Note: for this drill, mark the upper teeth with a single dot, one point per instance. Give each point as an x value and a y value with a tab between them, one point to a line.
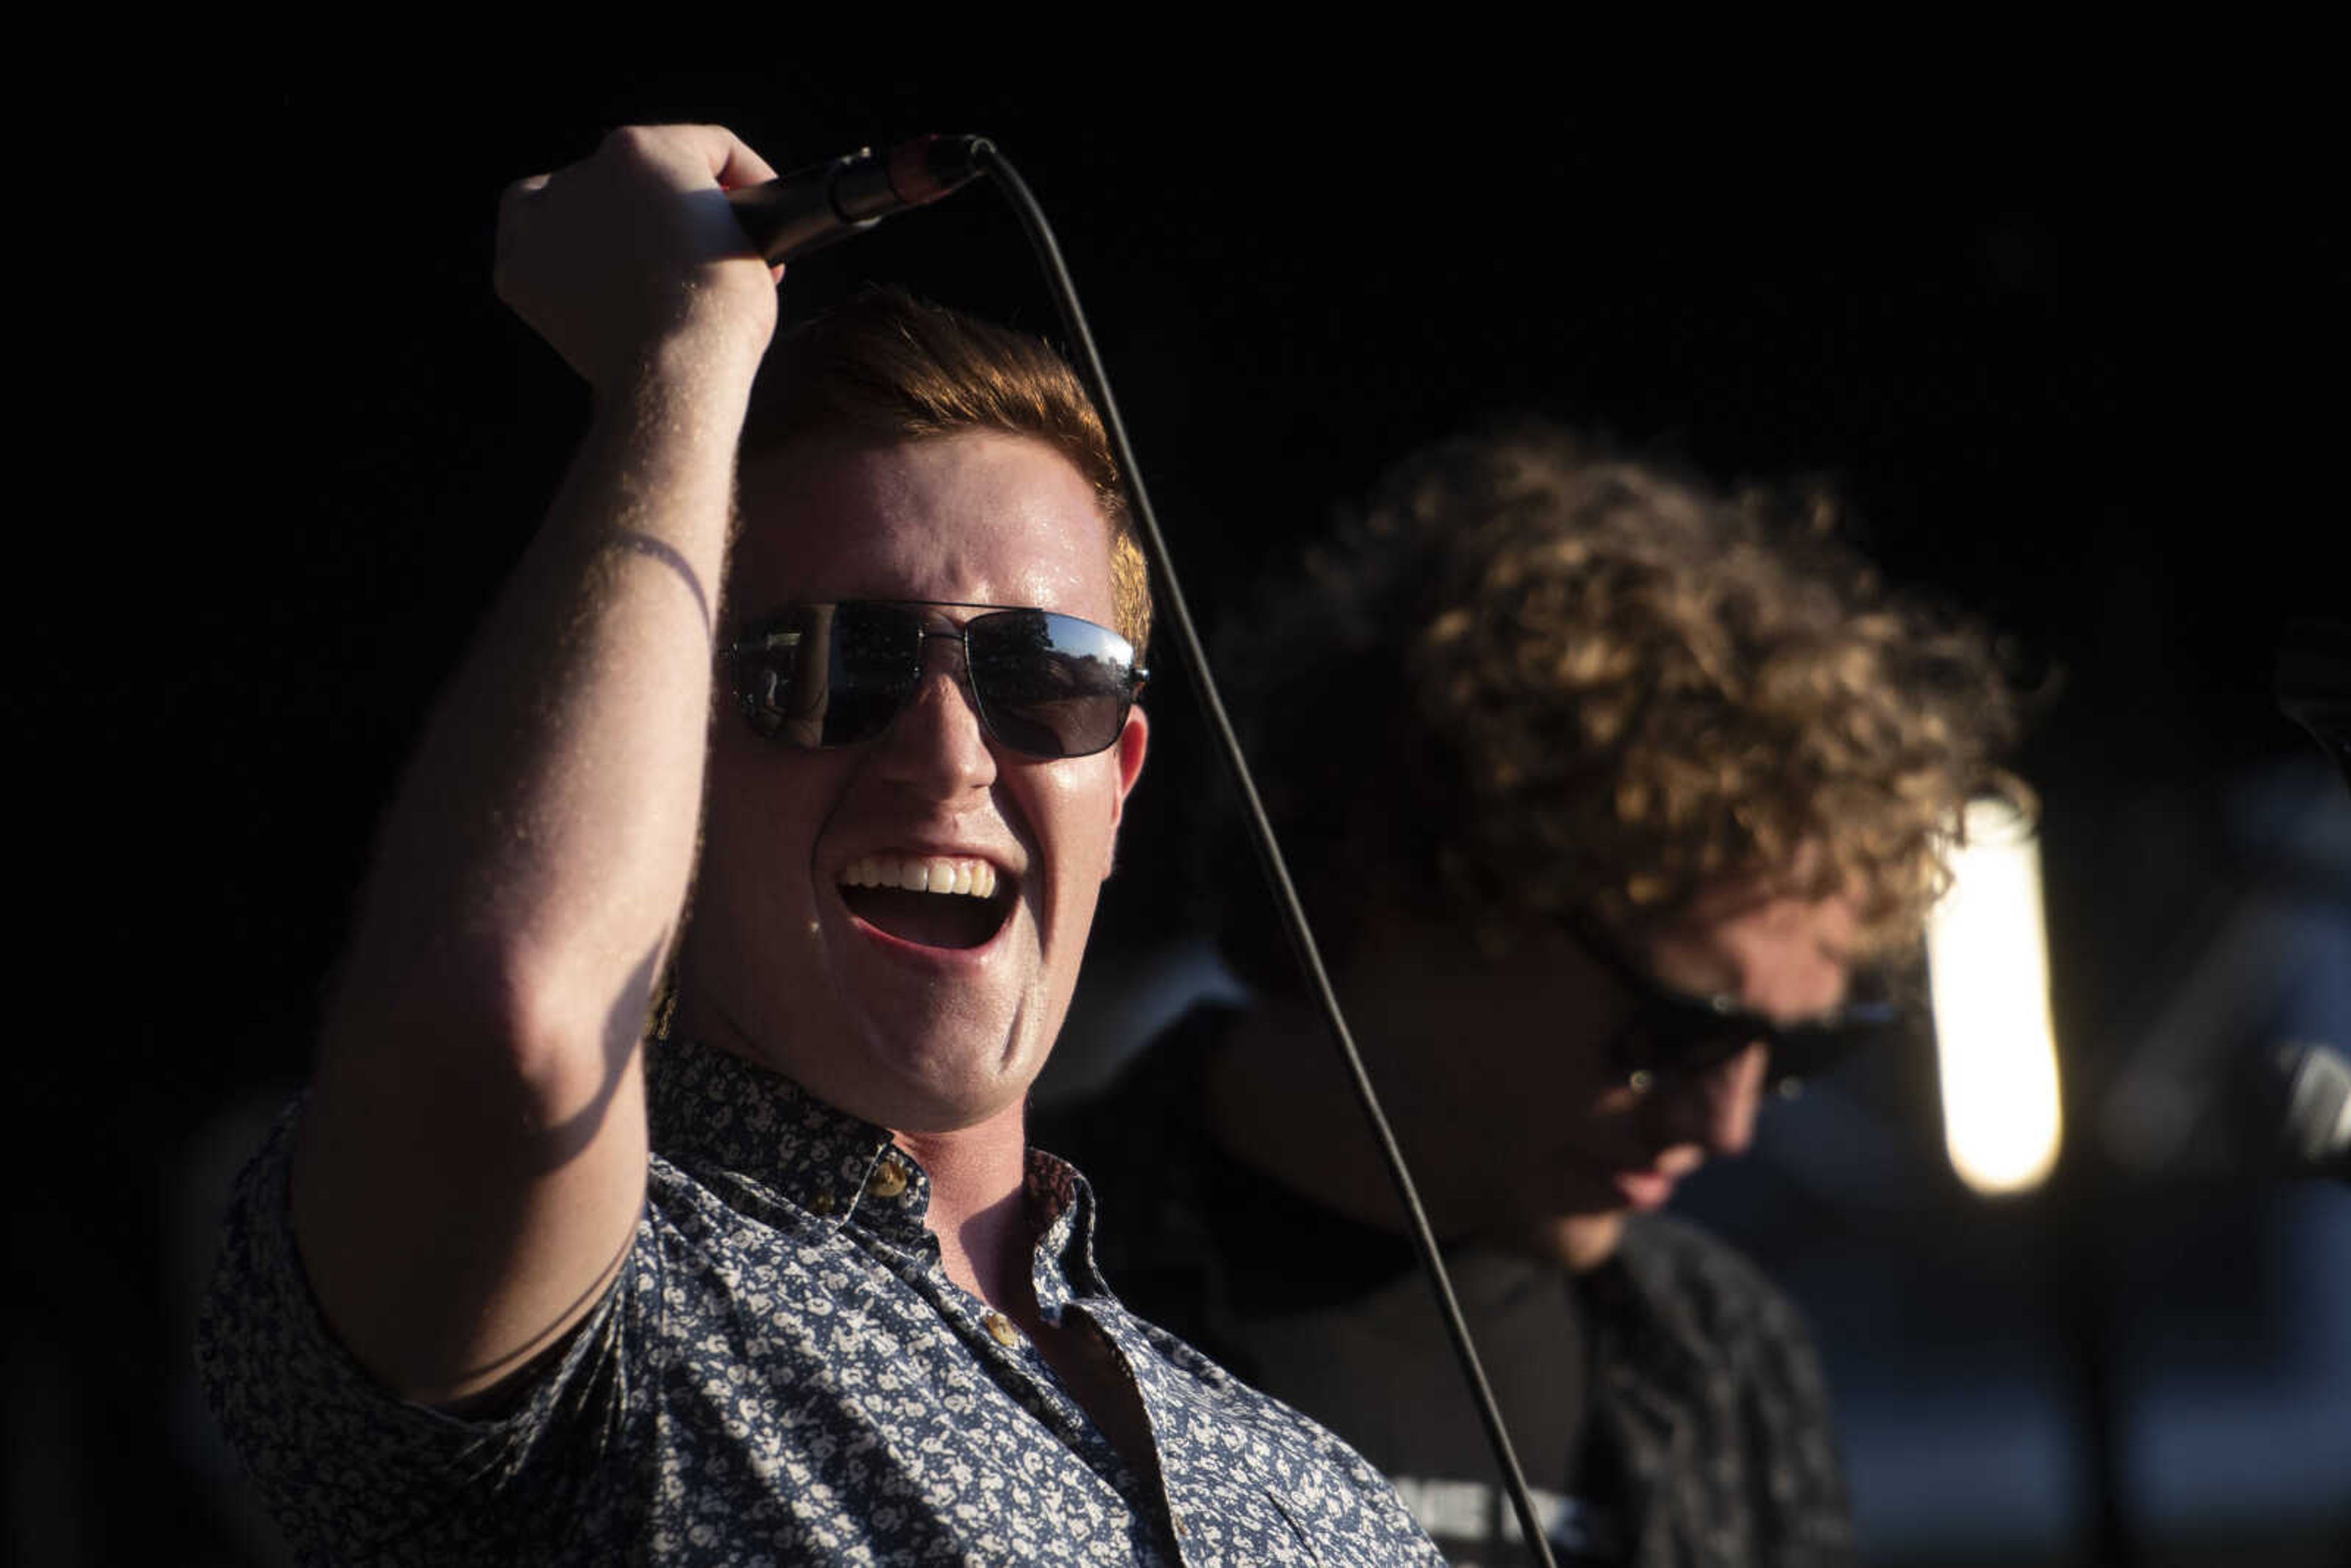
975	879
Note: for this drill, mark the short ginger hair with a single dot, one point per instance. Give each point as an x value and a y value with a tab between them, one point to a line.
1533	679
885	366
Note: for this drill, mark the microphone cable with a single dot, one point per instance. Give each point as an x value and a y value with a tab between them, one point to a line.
800	211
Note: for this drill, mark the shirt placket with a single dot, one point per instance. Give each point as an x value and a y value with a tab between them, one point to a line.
889	1209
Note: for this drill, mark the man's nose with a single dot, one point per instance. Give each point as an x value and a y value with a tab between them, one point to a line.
1714	1109
937	744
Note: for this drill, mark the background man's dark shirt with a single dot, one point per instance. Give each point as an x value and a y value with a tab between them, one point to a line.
1668	1407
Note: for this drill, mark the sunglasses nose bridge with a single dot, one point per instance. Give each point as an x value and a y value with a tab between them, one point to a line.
953	636
954	665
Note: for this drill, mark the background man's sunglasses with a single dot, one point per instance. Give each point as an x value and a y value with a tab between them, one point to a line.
1046	686
1674	1032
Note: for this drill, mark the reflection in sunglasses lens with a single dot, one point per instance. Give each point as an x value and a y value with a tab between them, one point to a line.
1047	685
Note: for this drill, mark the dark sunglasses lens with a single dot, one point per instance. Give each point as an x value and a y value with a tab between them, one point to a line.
1807	1051
1050	685
1682	1035
873	652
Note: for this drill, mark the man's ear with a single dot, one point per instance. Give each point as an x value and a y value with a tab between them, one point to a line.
1133	742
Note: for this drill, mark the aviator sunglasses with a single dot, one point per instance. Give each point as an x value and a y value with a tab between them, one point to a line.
1045	684
1673	1032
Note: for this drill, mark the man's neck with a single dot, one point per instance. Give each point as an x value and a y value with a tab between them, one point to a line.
979	1207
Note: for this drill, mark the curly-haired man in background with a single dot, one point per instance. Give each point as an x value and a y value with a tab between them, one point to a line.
1612	797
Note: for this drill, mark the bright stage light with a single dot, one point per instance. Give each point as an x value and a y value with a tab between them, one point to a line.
1995	1044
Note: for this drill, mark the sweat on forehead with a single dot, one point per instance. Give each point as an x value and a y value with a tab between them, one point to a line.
975	517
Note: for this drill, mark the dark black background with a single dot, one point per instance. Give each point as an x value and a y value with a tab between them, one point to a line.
2066	334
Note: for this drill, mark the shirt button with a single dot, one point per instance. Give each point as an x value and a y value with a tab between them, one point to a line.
1000	1326
889	1177
821	1204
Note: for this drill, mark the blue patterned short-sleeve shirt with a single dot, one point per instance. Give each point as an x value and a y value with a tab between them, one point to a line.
781	1374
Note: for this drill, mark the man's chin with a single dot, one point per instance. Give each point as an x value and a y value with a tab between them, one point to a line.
1582	1241
932	1074
1643	1191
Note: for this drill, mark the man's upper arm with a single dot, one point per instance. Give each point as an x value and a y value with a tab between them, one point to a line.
350	1472
453	1232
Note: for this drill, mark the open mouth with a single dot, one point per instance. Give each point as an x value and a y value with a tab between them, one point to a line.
930	900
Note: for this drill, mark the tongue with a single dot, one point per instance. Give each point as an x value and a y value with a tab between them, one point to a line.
930	919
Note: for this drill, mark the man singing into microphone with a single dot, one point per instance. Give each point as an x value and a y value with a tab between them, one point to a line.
1609	797
782	1283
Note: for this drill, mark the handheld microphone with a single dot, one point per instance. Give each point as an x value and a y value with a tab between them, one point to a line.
810	208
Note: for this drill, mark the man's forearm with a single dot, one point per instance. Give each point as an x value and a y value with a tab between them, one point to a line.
475	1102
543	836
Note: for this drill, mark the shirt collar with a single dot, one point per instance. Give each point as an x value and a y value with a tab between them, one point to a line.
731	1120
724	1115
1061	1216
